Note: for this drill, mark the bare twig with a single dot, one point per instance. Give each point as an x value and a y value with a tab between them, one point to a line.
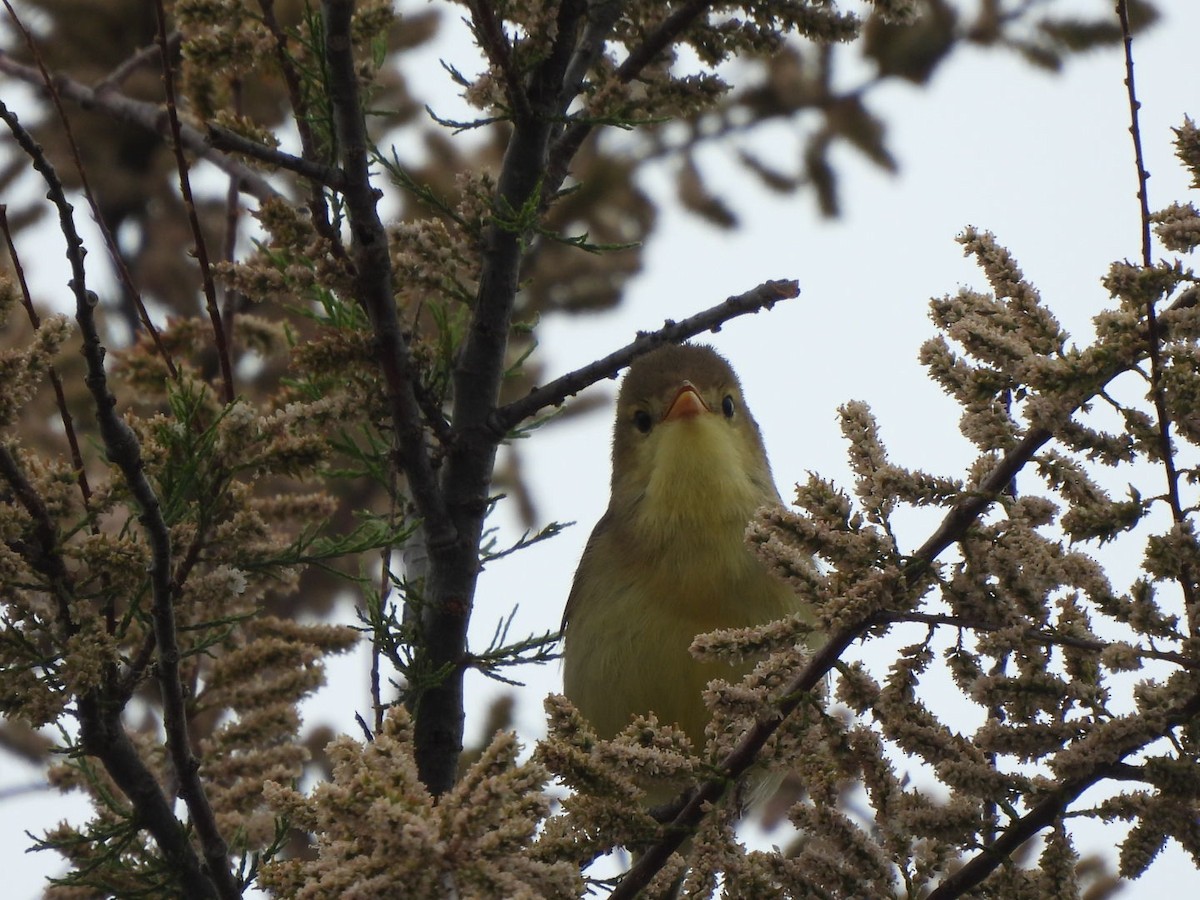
232	142
189	204
53	89
146	115
765	296
147	55
60	397
1187	579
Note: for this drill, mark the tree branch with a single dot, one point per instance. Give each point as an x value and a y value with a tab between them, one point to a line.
567	144
765	296
308	142
150	116
489	32
48	84
373	272
1048	809
470	460
145	56
175	142
123	449
223	139
60	397
1048	638
1187	579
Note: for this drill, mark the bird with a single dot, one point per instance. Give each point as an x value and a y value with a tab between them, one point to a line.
667	560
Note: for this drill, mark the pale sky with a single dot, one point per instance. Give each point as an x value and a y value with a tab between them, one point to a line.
1043	161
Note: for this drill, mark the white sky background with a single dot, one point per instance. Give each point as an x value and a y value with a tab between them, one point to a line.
1044	161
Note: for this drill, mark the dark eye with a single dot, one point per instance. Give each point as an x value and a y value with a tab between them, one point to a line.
727	406
642	421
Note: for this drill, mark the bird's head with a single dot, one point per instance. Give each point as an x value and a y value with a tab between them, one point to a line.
685	446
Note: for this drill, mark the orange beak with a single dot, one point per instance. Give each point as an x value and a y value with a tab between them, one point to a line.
687	403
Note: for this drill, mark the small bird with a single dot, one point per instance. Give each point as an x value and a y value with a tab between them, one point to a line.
668	561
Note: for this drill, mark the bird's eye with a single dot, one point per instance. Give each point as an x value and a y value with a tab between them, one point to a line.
642	421
727	406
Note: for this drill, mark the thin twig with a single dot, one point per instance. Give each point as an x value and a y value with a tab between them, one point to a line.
567	144
765	296
1052	806
43	552
1041	636
189	204
1187	579
489	32
232	298
145	115
230	141
103	733
308	144
143	57
54	91
60	397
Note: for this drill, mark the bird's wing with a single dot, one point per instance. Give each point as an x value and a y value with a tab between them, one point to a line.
585	561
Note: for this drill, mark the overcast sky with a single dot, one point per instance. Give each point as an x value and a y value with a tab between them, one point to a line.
1044	161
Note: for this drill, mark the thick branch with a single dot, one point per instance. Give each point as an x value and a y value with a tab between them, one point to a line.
104	737
373	273
454	567
765	296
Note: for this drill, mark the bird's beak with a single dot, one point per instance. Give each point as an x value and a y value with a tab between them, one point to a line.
687	403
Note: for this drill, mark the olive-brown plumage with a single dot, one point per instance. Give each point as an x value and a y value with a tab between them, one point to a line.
667	561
